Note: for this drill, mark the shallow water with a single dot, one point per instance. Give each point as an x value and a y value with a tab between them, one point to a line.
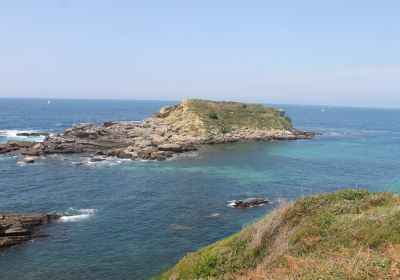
130	219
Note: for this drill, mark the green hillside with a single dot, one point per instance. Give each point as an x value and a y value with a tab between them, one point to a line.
349	234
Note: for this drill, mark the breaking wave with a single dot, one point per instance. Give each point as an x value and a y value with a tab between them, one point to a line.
74	215
12	134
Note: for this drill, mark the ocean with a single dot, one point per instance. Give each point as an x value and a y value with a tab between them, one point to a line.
132	219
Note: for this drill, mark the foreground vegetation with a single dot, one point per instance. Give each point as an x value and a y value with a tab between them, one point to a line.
349	234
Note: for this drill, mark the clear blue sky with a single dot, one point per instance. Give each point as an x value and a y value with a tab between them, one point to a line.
309	52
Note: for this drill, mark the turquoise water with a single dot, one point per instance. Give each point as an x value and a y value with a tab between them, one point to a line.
131	219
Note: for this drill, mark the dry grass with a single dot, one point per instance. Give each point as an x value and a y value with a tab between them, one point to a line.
224	116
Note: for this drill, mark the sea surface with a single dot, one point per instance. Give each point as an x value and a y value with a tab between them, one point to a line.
132	219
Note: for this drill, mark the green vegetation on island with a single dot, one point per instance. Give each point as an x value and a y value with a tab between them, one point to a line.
349	234
227	116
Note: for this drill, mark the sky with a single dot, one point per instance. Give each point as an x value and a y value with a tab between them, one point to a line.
295	52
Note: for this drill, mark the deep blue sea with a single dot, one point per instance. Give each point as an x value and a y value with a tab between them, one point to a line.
132	219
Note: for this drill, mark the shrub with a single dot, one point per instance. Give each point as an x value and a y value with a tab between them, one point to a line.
213	115
288	119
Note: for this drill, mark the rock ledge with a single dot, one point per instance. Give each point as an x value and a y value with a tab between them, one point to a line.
18	228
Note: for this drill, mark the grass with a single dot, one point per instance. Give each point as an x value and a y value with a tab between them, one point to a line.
225	116
349	234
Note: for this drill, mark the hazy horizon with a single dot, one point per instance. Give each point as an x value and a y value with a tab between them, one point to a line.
54	99
308	53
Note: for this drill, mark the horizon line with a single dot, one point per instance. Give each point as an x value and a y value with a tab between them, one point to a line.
178	100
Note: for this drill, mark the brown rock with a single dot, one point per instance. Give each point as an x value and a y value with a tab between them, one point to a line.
33	134
170	147
16	228
165	111
160	131
247	203
97	158
108	123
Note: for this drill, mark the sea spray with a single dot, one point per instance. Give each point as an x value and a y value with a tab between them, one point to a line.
74	215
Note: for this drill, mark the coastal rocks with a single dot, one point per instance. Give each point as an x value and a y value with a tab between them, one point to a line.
28	160
164	111
82	126
97	158
16	146
83	134
174	129
15	229
161	131
170	147
188	148
32	134
108	123
309	134
247	203
141	144
128	153
19	144
285	137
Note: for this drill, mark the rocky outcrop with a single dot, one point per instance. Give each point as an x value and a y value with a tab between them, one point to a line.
174	129
15	229
33	134
28	160
247	203
170	147
97	158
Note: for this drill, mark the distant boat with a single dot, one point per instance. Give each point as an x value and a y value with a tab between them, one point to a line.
323	110
48	102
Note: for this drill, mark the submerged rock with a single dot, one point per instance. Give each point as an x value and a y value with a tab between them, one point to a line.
33	134
17	228
97	158
179	228
28	160
247	203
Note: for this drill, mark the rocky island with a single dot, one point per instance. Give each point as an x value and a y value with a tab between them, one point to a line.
18	228
174	129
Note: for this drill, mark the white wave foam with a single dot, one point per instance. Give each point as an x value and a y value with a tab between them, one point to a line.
76	163
107	161
21	163
74	215
214	215
12	134
343	133
354	133
232	203
190	154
